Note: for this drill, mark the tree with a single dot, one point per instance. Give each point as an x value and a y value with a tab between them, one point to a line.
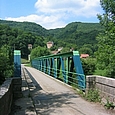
86	50
88	65
106	41
6	63
39	51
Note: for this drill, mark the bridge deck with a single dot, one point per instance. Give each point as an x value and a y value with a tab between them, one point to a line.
51	97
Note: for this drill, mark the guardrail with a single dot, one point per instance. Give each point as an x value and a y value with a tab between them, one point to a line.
66	66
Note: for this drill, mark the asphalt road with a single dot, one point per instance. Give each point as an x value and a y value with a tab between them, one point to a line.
51	97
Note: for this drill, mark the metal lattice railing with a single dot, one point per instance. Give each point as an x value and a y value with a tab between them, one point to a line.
65	67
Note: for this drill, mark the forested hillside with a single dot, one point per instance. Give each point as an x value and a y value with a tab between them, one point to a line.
19	39
26	26
76	35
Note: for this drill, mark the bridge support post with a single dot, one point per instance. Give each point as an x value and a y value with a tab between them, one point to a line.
17	63
78	67
17	81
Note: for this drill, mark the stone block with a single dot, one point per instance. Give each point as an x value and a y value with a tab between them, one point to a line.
17	80
90	82
17	87
6	97
98	86
90	78
17	95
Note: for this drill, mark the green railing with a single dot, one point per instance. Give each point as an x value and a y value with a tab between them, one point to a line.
65	67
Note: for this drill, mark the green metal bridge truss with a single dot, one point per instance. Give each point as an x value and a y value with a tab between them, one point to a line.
66	66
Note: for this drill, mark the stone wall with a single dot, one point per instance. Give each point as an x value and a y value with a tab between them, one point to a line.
106	86
6	97
9	90
17	85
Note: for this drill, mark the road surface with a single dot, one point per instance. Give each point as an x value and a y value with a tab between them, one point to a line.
51	97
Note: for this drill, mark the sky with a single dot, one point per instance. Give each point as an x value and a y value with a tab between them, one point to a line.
50	14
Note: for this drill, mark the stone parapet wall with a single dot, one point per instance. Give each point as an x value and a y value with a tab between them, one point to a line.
105	85
6	97
9	90
17	85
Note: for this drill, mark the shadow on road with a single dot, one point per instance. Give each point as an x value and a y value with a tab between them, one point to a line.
47	103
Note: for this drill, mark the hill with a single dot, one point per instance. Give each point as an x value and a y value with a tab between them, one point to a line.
77	35
26	26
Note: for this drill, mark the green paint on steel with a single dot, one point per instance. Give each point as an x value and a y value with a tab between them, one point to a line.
75	53
17	52
17	63
63	66
67	68
68	54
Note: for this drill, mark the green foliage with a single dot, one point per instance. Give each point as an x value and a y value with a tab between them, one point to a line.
93	95
109	105
88	65
39	51
19	39
74	35
100	72
24	61
77	34
85	50
6	63
106	41
34	28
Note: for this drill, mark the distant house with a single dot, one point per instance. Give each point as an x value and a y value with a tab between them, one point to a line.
57	51
29	46
60	48
49	44
84	55
72	49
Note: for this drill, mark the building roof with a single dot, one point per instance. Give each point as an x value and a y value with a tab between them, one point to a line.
84	55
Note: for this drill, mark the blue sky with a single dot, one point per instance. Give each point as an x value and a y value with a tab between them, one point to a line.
50	13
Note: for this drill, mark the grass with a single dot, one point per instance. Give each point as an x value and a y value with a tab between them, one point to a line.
100	72
109	105
93	95
24	61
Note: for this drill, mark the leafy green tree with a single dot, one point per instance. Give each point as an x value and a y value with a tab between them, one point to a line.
6	63
106	41
39	51
86	50
89	65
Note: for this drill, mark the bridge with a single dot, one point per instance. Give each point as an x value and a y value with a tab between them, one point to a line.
45	95
66	66
47	87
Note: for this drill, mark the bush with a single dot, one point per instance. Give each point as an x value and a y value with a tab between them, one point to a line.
6	63
88	65
93	95
39	51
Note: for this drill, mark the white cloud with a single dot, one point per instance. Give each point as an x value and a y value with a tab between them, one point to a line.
49	22
56	13
76	7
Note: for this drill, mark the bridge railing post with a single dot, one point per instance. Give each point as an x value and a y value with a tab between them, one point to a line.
17	80
78	67
17	63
